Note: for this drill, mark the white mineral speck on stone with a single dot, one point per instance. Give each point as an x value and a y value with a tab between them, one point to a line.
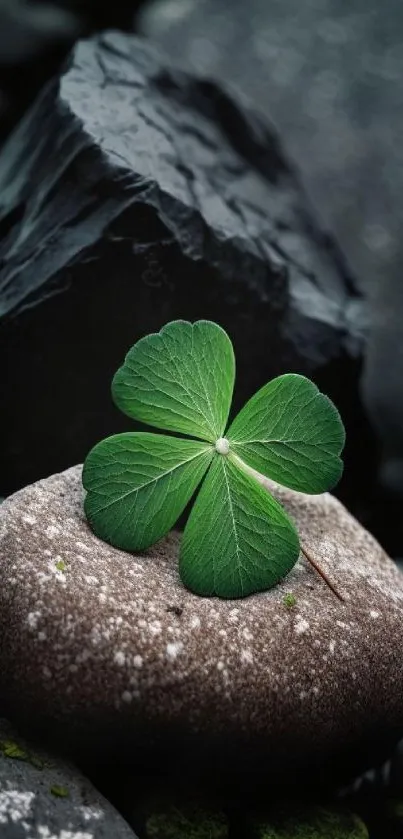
195	622
119	658
14	807
42	636
155	627
374	614
137	662
301	626
127	696
29	519
174	649
32	619
220	665
82	546
246	656
52	531
332	646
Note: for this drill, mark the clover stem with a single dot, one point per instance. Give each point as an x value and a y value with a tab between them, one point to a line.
321	573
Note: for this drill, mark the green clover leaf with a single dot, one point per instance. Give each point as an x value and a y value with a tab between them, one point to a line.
244	534
138	485
238	539
292	433
180	379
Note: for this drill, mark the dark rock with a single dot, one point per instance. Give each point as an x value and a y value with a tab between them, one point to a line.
132	195
383	379
246	694
35	38
43	796
329	73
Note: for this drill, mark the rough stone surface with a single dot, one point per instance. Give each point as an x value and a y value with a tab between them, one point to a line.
151	196
115	657
43	797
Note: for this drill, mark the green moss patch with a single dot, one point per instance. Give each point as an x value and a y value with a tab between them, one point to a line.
189	823
289	600
319	823
12	749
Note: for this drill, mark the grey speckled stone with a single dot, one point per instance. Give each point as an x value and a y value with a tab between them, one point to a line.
30	810
114	655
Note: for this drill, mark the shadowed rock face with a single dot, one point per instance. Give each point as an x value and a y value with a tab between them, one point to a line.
113	656
150	196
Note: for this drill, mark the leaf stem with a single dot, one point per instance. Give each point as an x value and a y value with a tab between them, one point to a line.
321	573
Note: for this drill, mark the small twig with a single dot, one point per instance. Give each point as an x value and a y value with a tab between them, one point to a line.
321	573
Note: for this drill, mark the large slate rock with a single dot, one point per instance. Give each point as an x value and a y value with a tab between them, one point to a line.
108	652
328	72
43	796
133	194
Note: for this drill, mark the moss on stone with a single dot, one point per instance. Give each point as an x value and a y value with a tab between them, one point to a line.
318	823
289	600
10	748
59	791
189	823
61	566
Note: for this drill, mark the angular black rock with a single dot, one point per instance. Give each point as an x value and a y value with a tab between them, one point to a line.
131	195
37	35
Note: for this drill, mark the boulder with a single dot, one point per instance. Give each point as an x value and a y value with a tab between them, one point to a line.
147	196
43	796
107	653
